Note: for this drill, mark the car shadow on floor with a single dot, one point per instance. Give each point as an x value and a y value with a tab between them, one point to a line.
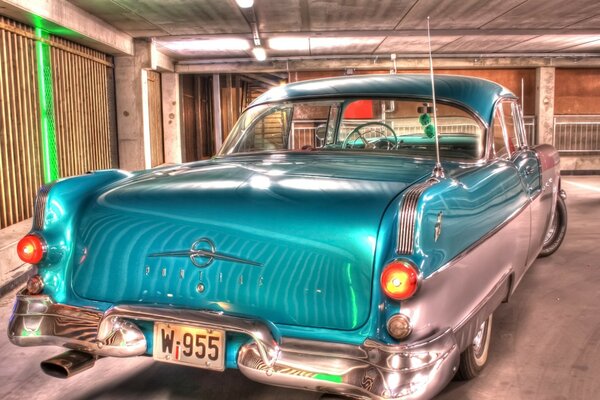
167	381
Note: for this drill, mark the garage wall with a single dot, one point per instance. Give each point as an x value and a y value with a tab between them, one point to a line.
577	117
577	91
72	100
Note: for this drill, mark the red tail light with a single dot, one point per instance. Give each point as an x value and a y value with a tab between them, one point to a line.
31	249
399	280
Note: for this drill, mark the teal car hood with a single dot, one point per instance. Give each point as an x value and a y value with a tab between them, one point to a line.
310	221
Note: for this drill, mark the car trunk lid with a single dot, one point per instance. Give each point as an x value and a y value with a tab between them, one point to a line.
294	237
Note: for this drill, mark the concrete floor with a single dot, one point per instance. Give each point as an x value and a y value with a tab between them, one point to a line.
545	343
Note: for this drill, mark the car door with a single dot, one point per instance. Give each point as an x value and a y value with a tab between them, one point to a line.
509	144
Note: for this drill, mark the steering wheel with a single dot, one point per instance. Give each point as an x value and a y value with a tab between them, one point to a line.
384	139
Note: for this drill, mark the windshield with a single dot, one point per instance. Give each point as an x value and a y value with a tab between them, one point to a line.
364	125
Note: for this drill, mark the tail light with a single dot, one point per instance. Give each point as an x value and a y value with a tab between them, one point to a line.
31	249
400	280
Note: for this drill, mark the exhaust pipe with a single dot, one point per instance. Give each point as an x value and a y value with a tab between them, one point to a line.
68	364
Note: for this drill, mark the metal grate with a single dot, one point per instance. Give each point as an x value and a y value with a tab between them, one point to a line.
577	133
529	122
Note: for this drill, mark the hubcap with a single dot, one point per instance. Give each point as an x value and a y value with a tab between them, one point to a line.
478	340
551	229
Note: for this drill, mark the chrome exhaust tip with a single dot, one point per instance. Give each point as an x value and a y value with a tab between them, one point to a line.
68	364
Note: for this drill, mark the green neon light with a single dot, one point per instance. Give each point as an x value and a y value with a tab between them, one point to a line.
329	378
46	96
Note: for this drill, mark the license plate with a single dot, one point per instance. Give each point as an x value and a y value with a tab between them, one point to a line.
189	345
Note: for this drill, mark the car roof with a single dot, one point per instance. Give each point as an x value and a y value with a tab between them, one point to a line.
479	95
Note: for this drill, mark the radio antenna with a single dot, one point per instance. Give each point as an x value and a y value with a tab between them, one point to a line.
438	170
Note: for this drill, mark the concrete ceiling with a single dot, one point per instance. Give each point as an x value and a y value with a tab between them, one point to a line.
291	28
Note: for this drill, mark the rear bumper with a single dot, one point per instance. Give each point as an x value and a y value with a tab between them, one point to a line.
371	370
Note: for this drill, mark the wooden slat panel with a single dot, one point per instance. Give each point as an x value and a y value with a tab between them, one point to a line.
157	155
83	128
20	165
82	115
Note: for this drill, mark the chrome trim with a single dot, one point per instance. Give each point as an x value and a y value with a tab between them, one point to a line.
209	254
261	332
407	217
562	194
372	370
437	231
39	209
39	321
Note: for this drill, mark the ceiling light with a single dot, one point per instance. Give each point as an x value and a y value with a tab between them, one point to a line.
245	3
207	44
259	53
288	43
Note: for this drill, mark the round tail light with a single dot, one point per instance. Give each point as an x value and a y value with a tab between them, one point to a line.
400	280
31	249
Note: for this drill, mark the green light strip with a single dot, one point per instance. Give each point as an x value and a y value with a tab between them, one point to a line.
46	96
329	378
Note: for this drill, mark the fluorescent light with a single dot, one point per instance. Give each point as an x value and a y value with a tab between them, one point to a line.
245	3
288	43
259	53
207	44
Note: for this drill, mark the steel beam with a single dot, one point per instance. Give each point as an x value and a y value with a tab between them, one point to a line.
383	63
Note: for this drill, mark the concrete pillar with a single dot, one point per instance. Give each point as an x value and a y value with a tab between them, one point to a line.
171	117
132	109
544	104
129	93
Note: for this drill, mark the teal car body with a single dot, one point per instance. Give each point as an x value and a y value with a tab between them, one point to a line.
284	249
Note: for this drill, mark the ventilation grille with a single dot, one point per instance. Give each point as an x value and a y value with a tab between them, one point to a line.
40	207
407	217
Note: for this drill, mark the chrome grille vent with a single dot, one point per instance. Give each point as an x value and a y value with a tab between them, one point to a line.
39	210
407	217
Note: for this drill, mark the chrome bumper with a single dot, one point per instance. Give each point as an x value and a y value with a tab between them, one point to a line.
371	370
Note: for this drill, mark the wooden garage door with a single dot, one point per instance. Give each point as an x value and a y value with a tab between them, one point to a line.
20	155
79	114
82	82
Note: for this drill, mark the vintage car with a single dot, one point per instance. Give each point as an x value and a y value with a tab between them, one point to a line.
323	248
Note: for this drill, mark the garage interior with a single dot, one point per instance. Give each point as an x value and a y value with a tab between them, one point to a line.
88	85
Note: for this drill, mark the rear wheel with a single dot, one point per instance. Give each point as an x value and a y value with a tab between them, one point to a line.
474	358
557	229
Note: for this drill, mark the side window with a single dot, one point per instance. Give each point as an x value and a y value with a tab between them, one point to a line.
512	123
500	148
